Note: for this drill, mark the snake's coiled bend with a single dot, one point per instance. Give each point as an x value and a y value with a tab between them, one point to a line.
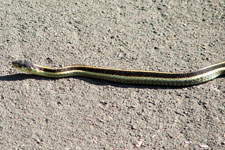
125	76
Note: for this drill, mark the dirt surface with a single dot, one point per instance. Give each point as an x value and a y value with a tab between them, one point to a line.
80	113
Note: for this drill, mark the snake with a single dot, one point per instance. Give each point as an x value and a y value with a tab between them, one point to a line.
125	76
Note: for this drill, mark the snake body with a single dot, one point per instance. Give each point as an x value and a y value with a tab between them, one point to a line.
125	76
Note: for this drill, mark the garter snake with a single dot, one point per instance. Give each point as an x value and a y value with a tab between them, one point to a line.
125	76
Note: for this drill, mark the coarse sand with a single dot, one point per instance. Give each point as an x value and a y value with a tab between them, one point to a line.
79	113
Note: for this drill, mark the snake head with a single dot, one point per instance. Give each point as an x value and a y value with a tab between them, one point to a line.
23	65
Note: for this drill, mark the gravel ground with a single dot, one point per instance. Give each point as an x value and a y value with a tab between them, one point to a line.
80	113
